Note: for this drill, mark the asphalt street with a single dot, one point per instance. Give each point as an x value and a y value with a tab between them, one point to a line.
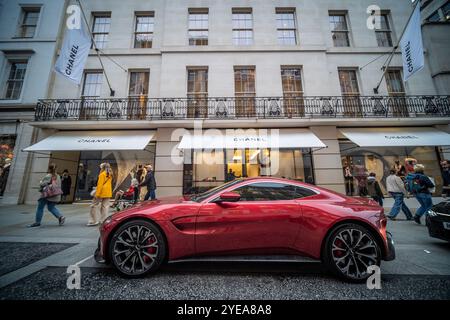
34	266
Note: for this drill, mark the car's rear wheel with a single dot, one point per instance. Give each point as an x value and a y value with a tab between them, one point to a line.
136	248
349	250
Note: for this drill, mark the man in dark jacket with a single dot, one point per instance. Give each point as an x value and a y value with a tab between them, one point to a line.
419	185
150	183
374	190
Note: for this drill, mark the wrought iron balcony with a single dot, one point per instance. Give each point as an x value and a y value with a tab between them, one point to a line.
226	108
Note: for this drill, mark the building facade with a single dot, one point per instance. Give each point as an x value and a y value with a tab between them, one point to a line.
29	31
211	83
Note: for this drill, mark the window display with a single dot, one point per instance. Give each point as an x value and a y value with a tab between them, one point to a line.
125	166
359	162
7	143
205	169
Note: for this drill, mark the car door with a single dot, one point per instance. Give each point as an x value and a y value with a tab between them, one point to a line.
266	217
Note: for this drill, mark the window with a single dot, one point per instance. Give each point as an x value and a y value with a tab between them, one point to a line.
396	90
14	81
384	38
244	87
442	14
270	191
143	30
92	84
339	30
394	82
286	29
28	22
291	81
350	92
197	86
138	91
100	29
242	27
198	27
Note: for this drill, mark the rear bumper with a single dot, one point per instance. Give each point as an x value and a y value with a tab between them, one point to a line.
390	250
436	228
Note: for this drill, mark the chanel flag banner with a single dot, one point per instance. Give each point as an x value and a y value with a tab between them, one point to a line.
412	47
73	55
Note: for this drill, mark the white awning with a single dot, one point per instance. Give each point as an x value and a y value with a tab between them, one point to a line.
397	137
94	140
250	138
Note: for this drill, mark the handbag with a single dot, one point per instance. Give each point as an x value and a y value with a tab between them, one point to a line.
51	190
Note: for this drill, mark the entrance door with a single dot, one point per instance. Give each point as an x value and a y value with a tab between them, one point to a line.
266	218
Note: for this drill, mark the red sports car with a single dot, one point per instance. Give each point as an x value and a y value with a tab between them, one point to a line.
257	216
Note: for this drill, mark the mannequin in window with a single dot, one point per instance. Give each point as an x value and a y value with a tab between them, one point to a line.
348	178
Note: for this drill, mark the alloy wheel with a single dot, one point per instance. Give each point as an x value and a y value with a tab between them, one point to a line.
353	251
135	250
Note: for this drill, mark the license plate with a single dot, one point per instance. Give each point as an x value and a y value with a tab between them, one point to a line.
446	225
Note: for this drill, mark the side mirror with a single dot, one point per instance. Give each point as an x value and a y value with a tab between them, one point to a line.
228	197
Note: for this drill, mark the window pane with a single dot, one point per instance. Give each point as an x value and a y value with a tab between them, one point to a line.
138	83
348	82
15	79
92	84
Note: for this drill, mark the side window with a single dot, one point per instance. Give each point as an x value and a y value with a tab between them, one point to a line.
269	191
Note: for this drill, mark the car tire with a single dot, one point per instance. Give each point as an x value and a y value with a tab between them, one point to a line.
349	250
137	248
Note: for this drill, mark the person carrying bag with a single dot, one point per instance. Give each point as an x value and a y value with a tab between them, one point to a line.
50	188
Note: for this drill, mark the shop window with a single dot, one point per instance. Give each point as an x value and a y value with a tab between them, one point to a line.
124	165
359	162
205	169
7	143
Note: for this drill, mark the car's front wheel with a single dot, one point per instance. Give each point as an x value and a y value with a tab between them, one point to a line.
137	248
349	250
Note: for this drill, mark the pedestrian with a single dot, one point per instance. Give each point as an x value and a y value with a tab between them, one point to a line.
374	190
150	182
400	169
445	178
4	175
50	188
66	184
103	195
419	185
231	176
396	188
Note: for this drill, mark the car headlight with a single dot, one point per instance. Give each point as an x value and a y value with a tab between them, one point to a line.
431	213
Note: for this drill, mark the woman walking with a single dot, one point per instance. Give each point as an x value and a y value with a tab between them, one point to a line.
50	188
103	195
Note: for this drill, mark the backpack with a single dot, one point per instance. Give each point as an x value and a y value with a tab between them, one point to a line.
414	184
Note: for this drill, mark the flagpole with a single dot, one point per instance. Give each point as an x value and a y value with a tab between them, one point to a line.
391	56
112	92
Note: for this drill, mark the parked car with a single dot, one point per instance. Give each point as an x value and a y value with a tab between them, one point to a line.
256	216
438	221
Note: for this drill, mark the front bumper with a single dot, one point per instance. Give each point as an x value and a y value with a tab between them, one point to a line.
390	252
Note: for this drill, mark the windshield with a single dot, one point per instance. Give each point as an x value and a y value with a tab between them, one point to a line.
202	196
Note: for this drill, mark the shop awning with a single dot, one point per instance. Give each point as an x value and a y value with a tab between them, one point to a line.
94	140
250	138
397	137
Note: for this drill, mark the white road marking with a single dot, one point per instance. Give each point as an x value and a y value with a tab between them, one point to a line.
84	260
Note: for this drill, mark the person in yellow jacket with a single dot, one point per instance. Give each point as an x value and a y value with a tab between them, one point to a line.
103	195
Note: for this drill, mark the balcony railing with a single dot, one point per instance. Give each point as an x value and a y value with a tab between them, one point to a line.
225	108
